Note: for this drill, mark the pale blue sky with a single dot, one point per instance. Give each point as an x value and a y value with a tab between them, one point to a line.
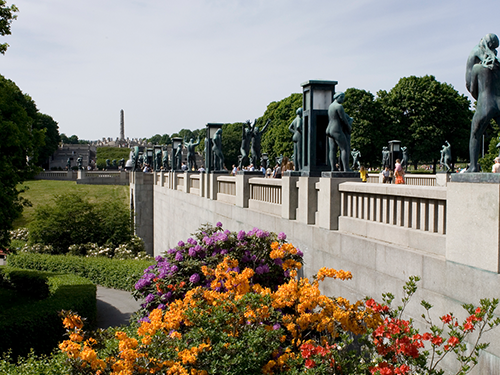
180	64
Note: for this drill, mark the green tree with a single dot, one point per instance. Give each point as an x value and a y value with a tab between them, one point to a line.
277	140
6	17
73	219
367	136
424	113
20	142
51	137
231	142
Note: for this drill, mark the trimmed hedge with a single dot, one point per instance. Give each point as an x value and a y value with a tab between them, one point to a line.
26	322
111	273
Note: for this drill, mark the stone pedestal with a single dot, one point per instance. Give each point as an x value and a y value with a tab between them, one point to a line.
290	196
329	198
212	185
243	187
473	220
308	200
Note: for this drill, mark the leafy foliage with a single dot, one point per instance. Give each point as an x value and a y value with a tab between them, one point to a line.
7	15
51	137
19	143
424	113
74	220
277	140
111	153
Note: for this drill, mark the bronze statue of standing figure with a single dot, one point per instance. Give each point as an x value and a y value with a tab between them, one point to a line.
482	79
296	128
245	144
256	139
339	133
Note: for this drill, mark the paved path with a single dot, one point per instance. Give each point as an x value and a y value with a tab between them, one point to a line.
114	307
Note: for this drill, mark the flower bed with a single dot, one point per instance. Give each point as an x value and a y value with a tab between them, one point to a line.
231	303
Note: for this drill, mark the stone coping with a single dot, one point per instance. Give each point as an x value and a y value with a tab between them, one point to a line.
476	178
411	191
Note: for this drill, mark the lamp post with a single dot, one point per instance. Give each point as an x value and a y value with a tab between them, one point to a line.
176	142
395	152
211	129
317	97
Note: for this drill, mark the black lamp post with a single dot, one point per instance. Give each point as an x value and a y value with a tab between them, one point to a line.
317	97
395	152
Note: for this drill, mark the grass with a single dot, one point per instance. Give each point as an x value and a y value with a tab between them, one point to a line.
40	192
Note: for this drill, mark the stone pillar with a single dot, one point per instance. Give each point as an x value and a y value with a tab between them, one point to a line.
141	201
473	220
187	183
329	207
123	178
213	187
243	187
81	174
203	182
308	200
290	195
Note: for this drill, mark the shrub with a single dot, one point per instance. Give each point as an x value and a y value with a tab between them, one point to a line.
111	273
32	364
230	324
27	323
74	220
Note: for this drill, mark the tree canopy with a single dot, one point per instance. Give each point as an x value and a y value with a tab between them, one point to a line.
7	15
424	113
20	143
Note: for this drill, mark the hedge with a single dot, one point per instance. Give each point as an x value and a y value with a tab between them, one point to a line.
27	322
111	273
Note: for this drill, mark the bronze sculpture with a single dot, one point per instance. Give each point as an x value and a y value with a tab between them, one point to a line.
256	139
482	79
296	128
245	144
339	133
356	154
191	155
217	150
445	160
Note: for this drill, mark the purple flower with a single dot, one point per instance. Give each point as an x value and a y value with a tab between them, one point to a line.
180	244
219	224
278	261
150	298
174	269
179	257
161	306
259	270
192	241
222	237
208	241
299	253
281	236
159	258
223	252
241	235
194	278
276	326
192	252
171	251
165	297
145	319
142	283
260	234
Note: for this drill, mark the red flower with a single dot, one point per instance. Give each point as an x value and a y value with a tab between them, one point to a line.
453	340
310	363
437	340
446	319
468	327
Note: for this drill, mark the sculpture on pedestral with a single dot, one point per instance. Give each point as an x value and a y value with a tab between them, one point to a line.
217	150
191	154
256	140
356	154
445	160
178	157
385	158
482	79
338	132
246	138
404	161
296	128
164	160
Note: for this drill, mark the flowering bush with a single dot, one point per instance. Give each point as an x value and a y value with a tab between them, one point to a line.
223	317
20	234
180	269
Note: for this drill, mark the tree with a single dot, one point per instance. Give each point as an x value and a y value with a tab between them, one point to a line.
51	137
6	17
20	141
367	135
277	140
73	219
424	113
231	141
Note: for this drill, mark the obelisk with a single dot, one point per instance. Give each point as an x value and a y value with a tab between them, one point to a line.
122	126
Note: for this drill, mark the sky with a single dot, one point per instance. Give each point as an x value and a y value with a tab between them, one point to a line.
181	64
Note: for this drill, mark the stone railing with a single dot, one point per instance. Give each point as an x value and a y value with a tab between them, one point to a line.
265	195
413	216
226	189
57	175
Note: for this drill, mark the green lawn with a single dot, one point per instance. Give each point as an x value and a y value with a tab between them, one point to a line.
42	191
